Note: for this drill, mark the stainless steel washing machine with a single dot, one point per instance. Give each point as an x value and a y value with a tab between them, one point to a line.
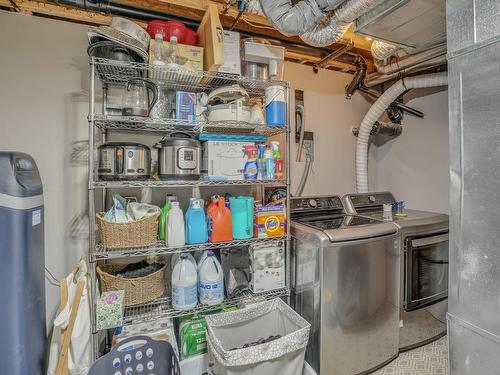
424	266
345	282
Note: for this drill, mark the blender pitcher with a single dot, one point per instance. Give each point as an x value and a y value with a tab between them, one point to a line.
136	98
242	217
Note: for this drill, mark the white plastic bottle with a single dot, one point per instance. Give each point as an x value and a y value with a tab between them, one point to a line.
175	226
159	51
200	257
210	281
173	54
175	258
184	281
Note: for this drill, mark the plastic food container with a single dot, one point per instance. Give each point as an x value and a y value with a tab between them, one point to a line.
191	38
172	28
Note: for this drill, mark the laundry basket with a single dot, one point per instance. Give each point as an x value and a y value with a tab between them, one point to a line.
229	332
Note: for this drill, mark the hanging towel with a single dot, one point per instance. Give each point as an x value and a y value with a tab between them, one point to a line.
80	349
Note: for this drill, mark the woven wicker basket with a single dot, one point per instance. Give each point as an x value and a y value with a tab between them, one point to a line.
138	290
140	233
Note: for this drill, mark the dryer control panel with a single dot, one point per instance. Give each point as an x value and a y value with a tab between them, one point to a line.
319	203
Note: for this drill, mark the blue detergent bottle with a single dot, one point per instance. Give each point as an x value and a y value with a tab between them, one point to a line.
196	222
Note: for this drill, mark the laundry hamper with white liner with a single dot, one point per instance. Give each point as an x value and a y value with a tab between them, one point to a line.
228	332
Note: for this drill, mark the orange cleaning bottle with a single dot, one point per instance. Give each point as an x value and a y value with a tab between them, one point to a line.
220	227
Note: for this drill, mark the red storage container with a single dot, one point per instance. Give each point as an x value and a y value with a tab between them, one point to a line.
155	27
177	29
191	38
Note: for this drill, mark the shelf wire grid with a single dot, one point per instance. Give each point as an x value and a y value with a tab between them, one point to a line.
162	307
160	248
183	183
131	123
118	73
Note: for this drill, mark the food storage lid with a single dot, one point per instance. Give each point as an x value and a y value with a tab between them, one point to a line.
228	94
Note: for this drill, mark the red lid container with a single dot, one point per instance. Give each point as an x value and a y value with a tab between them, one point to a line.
172	28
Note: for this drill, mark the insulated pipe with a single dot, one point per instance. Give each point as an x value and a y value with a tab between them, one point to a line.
381	50
410	61
375	79
376	110
292	19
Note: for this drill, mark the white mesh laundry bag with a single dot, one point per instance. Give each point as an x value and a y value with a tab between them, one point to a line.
228	332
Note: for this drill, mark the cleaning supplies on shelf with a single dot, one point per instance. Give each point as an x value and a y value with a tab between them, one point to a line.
220	227
175	258
184	284
196	226
210	281
278	161
250	168
162	224
175	226
242	217
261	166
269	164
269	221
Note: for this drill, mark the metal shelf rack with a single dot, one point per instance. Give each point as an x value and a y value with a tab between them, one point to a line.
105	74
159	248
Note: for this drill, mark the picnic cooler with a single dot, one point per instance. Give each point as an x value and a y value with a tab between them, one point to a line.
229	332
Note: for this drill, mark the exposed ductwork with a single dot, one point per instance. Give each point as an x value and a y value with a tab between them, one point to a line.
357	79
319	23
409	61
382	51
376	110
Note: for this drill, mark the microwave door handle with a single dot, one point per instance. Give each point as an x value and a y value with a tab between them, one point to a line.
419	242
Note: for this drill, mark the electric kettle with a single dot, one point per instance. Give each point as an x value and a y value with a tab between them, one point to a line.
136	98
242	212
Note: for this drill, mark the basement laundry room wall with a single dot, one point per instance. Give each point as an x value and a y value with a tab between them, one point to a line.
415	165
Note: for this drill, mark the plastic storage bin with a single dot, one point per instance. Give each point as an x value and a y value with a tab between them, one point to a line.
228	332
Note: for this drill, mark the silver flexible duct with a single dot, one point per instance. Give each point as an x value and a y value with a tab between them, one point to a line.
376	110
381	50
330	28
295	19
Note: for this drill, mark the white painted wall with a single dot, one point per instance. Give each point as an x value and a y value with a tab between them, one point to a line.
414	167
43	76
330	116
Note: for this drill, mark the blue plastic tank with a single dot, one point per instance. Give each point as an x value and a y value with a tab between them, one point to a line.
22	261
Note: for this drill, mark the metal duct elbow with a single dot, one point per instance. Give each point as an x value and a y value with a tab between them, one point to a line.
376	110
292	19
330	28
410	61
357	79
381	50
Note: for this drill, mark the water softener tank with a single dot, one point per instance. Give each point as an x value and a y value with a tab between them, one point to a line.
22	284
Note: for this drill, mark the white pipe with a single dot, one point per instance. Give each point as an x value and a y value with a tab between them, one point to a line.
303	179
381	50
377	109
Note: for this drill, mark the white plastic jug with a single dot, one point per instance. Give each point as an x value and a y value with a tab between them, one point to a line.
200	257
177	256
175	226
184	281
211	281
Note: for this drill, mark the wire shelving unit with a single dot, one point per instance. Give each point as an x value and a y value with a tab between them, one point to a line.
105	74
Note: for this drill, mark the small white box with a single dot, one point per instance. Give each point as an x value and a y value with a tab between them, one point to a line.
267	267
231	53
224	159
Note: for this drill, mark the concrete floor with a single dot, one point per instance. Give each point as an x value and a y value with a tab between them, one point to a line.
431	359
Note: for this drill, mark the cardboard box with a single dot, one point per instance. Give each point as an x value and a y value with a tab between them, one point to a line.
231	53
267	267
224	159
185	103
211	38
191	57
269	221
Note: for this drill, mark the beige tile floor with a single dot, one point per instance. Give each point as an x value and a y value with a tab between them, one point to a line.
431	359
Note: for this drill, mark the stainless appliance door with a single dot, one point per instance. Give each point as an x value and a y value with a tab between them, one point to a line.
426	271
359	305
